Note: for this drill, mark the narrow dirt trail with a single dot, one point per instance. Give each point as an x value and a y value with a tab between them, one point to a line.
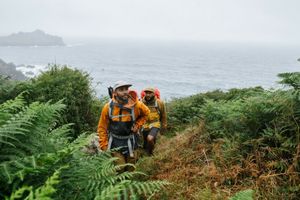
181	160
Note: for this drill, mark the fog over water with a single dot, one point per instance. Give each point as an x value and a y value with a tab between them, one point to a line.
177	69
264	21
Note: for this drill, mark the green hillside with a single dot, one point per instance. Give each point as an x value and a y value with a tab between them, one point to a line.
243	140
239	144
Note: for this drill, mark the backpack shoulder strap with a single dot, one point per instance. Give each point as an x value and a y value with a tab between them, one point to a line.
110	108
158	107
132	114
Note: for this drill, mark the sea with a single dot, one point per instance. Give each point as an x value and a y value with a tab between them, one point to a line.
176	68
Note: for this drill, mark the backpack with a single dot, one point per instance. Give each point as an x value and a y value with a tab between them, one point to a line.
156	93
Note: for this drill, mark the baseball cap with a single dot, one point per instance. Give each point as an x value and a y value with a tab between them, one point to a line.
121	84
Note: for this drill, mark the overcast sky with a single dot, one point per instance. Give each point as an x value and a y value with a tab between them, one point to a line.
218	20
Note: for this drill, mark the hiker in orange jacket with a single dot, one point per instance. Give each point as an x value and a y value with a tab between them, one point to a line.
157	119
120	120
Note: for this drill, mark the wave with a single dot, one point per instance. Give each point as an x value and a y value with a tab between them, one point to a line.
32	70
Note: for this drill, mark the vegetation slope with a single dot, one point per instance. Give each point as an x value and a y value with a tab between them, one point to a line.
239	144
243	140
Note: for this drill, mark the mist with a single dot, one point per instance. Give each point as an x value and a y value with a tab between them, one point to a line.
267	21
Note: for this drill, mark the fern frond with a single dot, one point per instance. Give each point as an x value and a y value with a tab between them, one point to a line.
10	107
243	195
79	142
131	189
18	194
44	192
61	132
28	131
19	168
128	176
290	79
14	105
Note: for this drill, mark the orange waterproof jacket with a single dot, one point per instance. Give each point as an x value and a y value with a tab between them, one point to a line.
141	112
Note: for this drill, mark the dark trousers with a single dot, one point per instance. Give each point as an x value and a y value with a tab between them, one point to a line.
149	145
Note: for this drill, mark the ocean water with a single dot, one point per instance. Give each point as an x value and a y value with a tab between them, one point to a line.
176	68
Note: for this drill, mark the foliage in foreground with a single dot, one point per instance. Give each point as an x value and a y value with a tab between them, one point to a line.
37	160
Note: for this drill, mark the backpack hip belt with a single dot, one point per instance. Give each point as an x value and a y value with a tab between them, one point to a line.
128	138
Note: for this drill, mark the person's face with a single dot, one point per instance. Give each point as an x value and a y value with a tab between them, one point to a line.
122	93
149	95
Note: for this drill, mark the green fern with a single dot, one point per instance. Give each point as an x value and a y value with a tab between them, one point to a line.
97	176
10	107
47	190
128	189
33	147
290	79
243	195
44	192
32	124
19	194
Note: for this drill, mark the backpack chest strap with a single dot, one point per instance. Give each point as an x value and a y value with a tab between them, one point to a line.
120	115
155	106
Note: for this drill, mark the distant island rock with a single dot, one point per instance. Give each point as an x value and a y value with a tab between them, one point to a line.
35	38
9	70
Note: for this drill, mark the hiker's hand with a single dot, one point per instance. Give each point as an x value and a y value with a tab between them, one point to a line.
134	128
138	132
103	148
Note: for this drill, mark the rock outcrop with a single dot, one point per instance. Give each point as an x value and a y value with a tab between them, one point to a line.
35	38
9	70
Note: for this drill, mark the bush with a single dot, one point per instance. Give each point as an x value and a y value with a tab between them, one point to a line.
74	87
8	88
183	111
251	138
260	134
